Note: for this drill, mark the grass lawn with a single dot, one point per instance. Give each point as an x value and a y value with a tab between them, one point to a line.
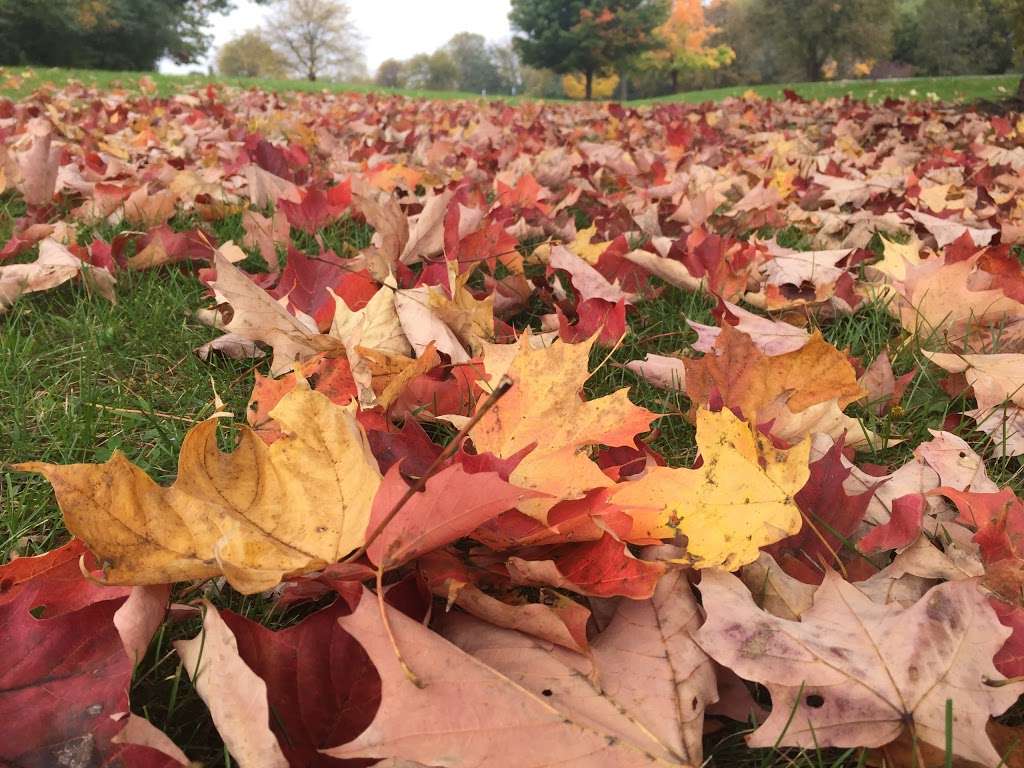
18	82
80	377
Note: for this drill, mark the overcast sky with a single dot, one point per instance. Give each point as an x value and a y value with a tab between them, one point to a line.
390	28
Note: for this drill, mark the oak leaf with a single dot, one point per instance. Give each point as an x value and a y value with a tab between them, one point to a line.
253	515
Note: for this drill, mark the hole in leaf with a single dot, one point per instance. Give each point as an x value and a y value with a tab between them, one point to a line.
814	701
548	692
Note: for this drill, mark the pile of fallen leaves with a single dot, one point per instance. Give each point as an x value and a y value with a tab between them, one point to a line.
504	572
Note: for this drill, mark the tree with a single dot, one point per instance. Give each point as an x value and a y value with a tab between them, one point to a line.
961	36
604	85
1015	13
390	74
586	36
684	43
316	37
510	69
476	70
431	71
810	33
250	55
105	34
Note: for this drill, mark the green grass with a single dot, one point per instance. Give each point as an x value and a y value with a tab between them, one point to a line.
957	88
17	82
80	377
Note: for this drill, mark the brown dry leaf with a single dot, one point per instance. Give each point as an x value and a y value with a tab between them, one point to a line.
258	317
390	231
458	326
471	319
39	164
938	301
265	233
54	266
995	378
267	189
747	379
422	325
772	337
544	409
253	515
738	500
426	235
145	210
513	701
234	694
391	374
375	327
661	371
853	673
946	231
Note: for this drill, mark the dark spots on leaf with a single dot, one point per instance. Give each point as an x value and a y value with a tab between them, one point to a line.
611	740
838	652
804	291
913	673
548	692
815	701
942	610
694	703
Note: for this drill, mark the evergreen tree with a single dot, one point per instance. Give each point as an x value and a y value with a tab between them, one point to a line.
585	36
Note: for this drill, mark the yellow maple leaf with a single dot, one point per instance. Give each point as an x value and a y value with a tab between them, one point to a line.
898	257
544	408
254	515
581	246
739	500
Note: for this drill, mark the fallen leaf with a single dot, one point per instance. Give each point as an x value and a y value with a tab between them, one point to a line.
544	407
601	568
895	667
580	725
747	379
55	266
453	503
257	317
253	515
235	696
740	499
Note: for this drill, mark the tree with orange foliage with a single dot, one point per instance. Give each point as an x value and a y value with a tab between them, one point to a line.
685	36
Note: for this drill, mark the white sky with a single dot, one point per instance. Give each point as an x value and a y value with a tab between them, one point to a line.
390	28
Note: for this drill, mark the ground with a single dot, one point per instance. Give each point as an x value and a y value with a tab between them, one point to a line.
80	377
15	82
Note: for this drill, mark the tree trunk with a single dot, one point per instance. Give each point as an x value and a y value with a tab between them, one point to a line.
675	81
1020	89
589	74
813	69
311	76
